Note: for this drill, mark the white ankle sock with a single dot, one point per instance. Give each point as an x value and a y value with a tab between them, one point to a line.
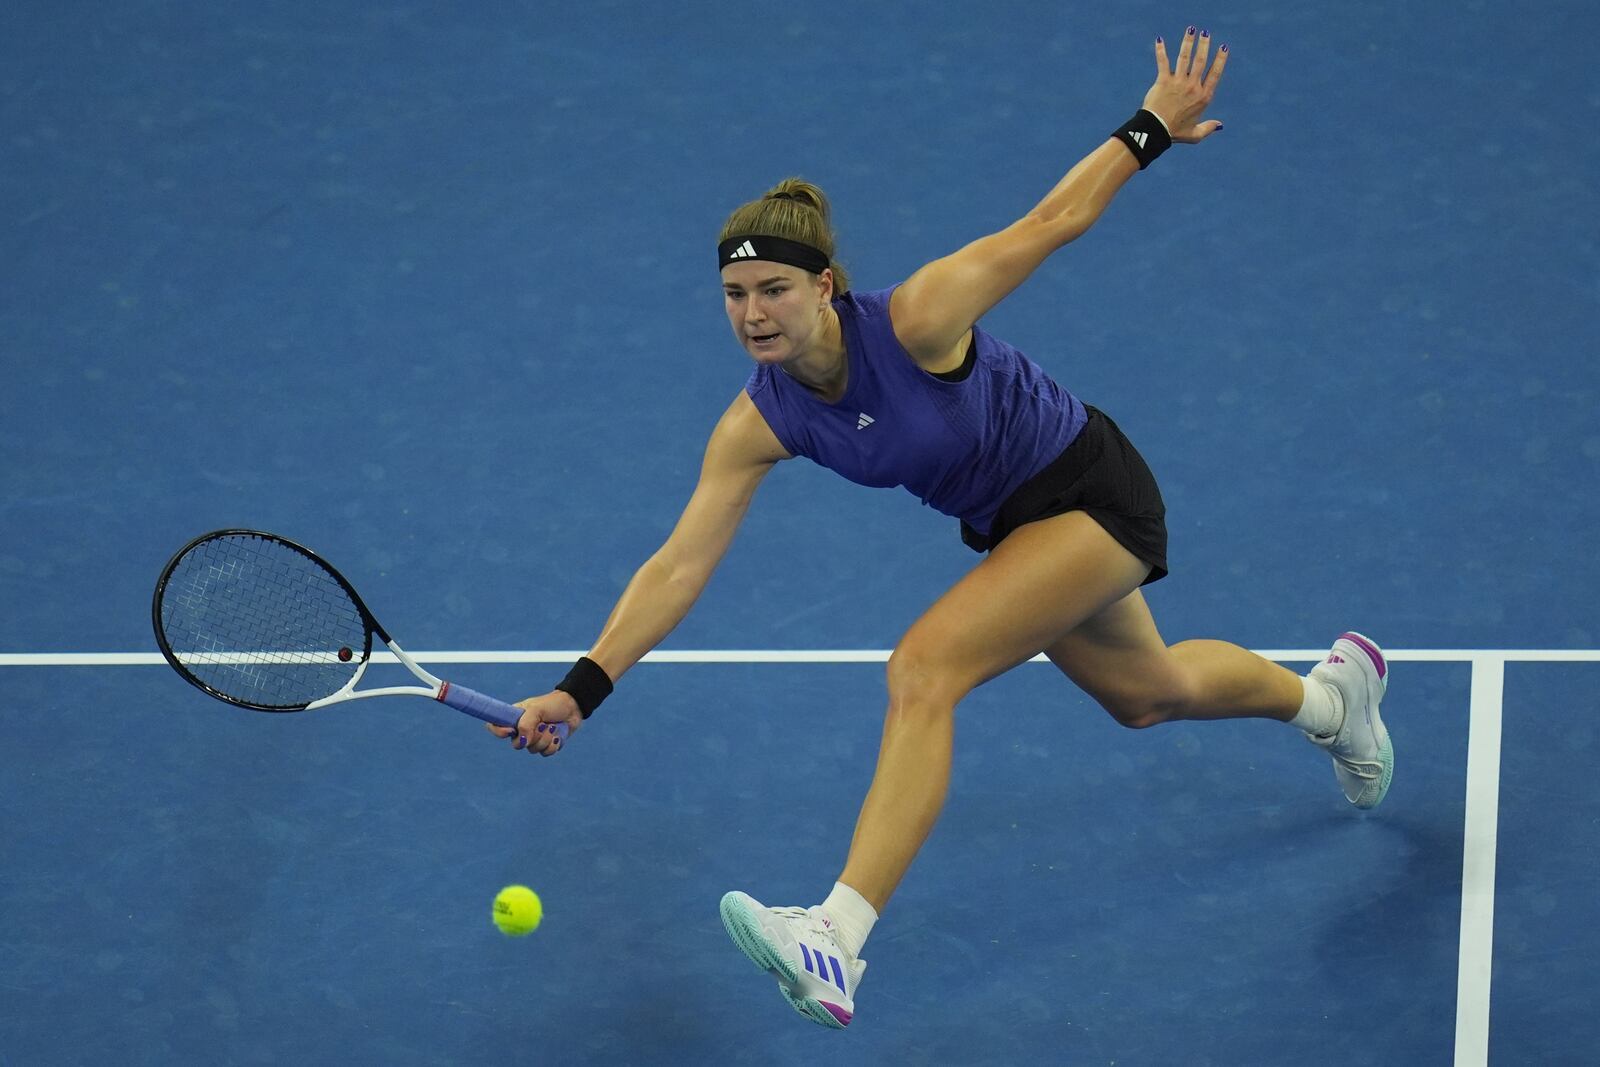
852	917
1322	712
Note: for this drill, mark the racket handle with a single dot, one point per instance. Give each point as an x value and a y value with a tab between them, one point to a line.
487	708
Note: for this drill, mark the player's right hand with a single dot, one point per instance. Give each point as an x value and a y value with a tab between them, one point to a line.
535	730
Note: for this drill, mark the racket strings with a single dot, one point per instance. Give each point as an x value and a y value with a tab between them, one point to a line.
260	622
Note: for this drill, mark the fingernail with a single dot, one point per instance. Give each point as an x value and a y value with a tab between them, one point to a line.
1219	125
1190	31
1160	41
1224	48
521	742
1205	33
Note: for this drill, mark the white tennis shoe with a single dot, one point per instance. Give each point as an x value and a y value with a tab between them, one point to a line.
1363	756
798	946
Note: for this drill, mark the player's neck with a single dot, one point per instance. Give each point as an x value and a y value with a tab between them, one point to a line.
824	366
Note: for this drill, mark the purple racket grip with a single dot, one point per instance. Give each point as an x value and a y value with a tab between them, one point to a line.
487	708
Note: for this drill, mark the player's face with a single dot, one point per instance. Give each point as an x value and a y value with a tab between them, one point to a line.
775	309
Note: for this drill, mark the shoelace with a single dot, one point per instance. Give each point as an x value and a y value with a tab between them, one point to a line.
811	922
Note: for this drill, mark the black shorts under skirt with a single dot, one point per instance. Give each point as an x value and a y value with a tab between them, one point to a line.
1100	473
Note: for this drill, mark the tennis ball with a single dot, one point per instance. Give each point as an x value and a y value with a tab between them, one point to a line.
517	910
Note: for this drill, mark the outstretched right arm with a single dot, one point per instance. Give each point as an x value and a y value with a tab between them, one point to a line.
741	451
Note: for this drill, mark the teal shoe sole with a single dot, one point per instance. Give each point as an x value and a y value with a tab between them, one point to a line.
745	930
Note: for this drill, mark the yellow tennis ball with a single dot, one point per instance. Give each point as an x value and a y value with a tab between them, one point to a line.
517	910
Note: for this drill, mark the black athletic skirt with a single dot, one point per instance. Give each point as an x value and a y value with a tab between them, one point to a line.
1101	473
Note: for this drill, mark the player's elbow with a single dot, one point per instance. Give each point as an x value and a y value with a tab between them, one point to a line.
669	568
686	569
1057	228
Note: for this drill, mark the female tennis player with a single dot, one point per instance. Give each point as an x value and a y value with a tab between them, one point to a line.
902	387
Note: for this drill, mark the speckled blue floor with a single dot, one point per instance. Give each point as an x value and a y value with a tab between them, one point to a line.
431	289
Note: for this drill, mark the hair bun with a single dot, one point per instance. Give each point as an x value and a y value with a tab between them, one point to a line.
799	191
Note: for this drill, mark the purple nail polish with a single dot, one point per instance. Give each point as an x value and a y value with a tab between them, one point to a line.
1190	31
1205	33
1160	41
1224	48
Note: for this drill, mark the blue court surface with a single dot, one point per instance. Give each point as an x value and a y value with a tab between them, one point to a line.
430	288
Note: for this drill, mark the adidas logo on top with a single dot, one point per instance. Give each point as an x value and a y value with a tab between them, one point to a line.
1139	137
864	421
744	251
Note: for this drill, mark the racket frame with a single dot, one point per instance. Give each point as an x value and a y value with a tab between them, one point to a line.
461	698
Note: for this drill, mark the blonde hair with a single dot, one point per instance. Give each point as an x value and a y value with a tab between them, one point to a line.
796	210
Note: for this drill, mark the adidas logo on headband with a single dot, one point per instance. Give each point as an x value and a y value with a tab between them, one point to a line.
772	249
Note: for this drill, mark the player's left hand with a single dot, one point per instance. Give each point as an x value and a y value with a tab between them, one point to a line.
1181	94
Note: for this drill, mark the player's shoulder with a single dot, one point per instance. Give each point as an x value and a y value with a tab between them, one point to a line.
743	435
868	303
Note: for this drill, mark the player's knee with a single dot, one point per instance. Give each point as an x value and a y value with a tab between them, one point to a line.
1135	715
1147	707
922	682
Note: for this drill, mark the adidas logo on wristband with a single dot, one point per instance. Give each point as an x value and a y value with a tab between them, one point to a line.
1146	137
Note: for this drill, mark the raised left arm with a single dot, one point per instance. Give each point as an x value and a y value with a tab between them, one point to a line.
935	307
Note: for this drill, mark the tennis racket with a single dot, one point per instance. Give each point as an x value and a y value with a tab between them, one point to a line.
263	623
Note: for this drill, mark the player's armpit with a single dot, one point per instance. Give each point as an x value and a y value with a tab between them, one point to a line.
934	307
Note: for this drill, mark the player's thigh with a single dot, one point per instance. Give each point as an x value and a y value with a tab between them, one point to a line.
1119	658
1040	583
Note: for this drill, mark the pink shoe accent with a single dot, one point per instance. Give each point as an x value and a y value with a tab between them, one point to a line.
1370	649
837	1012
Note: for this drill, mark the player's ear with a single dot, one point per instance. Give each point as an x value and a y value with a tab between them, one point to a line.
825	285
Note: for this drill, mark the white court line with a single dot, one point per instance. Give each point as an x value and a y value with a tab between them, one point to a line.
1478	863
1421	655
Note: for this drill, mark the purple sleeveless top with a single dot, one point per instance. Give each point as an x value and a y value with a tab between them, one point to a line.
961	447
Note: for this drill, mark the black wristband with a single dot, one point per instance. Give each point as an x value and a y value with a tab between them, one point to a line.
1145	136
587	683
